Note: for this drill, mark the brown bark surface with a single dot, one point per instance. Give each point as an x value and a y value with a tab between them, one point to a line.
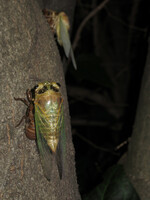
29	55
138	160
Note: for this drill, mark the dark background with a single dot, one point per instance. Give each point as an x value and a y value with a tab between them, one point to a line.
103	92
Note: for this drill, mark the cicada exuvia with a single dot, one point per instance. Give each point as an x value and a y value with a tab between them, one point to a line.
49	125
29	116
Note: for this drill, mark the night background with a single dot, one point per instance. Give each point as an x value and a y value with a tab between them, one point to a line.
103	93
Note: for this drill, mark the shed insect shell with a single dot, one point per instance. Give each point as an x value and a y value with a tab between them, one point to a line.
29	116
52	18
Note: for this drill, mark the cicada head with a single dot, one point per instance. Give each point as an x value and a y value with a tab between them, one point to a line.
47	86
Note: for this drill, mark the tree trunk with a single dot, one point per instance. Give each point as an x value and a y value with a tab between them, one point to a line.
29	56
138	161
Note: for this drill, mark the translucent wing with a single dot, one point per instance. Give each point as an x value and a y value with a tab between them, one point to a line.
65	39
61	150
73	58
44	150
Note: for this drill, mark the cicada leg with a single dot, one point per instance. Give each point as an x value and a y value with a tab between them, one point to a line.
23	100
23	118
27	104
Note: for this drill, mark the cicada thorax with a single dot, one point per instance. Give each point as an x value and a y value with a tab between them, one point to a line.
48	107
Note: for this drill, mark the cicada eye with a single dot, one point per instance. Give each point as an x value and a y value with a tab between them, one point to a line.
35	87
58	84
55	86
44	89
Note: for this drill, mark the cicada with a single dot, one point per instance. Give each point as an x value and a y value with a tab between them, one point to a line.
48	117
59	23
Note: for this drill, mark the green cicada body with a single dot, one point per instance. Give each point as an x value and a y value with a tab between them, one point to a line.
45	123
49	122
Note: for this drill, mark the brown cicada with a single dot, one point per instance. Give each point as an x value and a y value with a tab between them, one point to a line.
29	116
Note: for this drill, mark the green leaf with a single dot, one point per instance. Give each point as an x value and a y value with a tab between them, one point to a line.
116	186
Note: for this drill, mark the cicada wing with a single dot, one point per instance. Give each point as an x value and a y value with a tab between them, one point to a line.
46	155
65	39
73	58
61	149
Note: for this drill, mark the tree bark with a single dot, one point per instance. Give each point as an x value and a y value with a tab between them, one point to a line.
138	162
29	55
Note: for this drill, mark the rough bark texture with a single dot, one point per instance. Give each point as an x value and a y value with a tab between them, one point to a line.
29	55
138	163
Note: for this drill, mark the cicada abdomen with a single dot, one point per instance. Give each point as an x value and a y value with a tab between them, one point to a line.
29	116
49	121
59	23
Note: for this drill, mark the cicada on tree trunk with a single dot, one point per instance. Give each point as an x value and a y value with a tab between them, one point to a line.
48	117
59	24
